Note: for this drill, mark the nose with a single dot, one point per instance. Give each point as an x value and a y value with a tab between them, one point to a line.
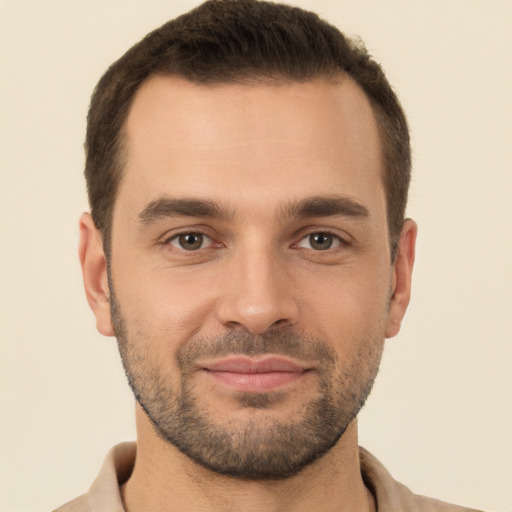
258	294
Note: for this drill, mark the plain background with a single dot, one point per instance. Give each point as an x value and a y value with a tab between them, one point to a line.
440	414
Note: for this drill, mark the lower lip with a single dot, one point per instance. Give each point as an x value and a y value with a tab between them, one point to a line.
255	382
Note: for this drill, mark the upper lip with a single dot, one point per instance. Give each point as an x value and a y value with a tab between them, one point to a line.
244	364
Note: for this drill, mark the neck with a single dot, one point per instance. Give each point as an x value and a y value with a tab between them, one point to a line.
165	480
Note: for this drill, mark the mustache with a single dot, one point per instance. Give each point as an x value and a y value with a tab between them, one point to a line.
284	343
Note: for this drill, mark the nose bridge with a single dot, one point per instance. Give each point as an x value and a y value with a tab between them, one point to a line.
256	296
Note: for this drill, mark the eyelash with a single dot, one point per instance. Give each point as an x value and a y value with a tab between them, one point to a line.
340	242
336	239
177	237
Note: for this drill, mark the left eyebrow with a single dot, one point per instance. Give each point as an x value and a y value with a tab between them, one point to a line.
325	206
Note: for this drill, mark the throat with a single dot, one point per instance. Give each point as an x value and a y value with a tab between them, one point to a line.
165	479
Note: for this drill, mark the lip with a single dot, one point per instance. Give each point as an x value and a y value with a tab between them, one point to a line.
251	375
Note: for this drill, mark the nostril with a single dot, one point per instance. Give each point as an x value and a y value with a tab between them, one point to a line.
280	323
257	326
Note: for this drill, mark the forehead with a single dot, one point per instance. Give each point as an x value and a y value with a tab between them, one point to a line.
251	142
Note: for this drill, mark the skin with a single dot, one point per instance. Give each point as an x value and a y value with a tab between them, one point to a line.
253	150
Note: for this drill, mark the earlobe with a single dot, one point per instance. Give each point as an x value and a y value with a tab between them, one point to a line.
94	272
402	274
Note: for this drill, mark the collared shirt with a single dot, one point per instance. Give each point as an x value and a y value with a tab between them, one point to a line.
390	495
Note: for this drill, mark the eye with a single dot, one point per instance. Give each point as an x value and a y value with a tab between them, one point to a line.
190	241
320	241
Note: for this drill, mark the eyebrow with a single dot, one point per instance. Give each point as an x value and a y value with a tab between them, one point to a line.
316	206
325	206
167	207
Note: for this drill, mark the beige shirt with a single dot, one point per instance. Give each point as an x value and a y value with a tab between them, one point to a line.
390	496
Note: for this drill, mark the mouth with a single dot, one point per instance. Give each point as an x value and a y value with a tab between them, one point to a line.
250	375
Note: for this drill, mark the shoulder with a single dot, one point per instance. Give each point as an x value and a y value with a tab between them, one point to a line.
425	504
392	496
80	504
105	494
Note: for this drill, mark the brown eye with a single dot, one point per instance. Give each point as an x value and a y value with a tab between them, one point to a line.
320	241
190	241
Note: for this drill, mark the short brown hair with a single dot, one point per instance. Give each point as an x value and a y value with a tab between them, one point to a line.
236	41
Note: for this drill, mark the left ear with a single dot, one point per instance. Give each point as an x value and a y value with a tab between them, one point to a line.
402	272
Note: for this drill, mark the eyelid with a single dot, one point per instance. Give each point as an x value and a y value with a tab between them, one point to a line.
174	234
337	241
206	241
342	240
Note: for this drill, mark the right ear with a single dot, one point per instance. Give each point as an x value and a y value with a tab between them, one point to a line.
94	272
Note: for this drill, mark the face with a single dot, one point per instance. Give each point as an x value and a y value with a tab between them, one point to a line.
250	283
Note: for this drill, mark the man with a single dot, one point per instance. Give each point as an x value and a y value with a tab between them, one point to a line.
247	169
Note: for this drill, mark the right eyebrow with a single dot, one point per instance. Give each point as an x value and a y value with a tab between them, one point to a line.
168	207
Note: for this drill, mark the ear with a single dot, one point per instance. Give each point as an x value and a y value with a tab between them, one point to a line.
94	272
402	273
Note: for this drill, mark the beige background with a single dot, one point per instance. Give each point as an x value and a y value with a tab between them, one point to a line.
440	416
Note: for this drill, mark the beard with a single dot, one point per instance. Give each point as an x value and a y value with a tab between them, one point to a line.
258	444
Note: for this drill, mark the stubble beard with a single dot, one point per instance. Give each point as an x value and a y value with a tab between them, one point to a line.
251	447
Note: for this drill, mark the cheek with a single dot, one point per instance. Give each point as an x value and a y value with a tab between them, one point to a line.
165	308
351	303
